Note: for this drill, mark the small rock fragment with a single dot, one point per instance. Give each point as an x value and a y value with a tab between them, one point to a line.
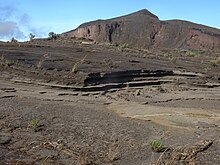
5	138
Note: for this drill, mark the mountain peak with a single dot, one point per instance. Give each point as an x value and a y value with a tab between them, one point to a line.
144	12
142	29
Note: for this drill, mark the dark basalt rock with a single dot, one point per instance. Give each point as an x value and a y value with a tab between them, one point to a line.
123	76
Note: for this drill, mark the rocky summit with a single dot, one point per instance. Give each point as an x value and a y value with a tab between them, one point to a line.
143	29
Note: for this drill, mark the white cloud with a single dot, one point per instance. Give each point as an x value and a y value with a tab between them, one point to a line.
9	29
15	23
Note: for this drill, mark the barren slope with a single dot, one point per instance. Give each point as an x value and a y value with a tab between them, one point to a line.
109	107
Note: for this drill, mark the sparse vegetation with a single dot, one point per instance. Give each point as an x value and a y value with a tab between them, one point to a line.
109	62
31	36
83	157
156	145
173	59
34	124
114	151
215	62
53	36
75	68
191	53
76	65
6	62
117	146
122	47
158	161
44	58
13	40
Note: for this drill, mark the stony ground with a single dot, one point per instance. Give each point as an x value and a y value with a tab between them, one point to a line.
78	103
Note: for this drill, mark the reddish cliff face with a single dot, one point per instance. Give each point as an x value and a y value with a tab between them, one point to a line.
182	34
142	29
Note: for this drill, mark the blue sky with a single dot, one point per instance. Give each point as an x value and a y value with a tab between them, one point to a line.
20	17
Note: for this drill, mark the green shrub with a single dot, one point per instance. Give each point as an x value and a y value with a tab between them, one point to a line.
13	40
8	62
215	62
156	145
5	62
192	53
34	124
122	47
31	36
53	36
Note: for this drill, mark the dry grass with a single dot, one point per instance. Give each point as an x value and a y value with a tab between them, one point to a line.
5	62
76	65
158	161
44	58
215	62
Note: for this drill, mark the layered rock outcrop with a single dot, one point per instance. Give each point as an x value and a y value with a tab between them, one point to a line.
143	29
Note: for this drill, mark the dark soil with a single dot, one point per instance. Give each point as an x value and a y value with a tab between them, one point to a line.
74	123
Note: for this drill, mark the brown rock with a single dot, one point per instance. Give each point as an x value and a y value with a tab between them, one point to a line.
143	29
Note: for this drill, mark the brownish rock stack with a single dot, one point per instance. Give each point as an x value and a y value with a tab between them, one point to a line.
143	29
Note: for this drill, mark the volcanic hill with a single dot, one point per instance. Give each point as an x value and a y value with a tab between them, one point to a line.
143	29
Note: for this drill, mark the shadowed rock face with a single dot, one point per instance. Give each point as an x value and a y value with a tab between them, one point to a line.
143	29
